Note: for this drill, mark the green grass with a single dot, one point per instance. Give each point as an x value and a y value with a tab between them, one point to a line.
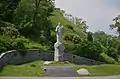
28	70
23	70
102	70
58	17
95	70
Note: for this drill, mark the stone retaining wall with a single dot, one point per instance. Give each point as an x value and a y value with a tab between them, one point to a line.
14	57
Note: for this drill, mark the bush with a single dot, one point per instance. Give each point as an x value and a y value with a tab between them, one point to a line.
70	27
90	50
112	52
33	45
5	43
73	38
69	46
2	48
8	29
105	58
8	43
18	45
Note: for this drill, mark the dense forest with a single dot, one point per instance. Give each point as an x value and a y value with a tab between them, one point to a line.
30	24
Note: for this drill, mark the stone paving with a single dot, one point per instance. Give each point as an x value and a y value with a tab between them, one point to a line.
59	71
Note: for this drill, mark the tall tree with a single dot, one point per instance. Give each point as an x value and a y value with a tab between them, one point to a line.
7	8
32	18
116	24
90	36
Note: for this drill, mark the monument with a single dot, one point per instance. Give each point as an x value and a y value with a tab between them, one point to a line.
58	46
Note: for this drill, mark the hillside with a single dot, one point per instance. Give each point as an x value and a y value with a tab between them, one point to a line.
77	30
58	17
32	24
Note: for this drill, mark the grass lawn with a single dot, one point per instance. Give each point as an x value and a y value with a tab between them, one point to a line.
34	69
96	70
102	70
28	69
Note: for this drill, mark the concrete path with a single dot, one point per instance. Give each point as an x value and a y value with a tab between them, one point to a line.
110	77
59	71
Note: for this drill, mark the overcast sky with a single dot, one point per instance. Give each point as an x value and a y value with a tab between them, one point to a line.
97	13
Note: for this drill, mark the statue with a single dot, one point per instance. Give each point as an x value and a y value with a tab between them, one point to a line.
59	30
59	48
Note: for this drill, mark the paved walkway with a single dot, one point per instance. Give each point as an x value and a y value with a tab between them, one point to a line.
59	71
110	77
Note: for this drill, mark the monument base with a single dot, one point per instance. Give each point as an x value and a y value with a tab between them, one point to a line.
59	51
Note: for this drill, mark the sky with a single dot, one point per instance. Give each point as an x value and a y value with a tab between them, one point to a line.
97	13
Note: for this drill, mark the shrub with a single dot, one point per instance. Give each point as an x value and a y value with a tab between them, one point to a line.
90	50
70	27
19	45
69	46
2	48
5	43
29	44
33	45
90	36
8	43
8	29
112	52
73	38
105	58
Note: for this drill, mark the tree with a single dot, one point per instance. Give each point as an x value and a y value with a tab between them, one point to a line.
90	36
102	37
116	24
7	9
32	18
90	49
81	23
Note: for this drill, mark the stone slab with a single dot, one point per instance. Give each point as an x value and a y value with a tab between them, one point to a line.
59	71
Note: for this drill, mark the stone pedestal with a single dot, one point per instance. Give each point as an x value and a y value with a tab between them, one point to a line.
59	51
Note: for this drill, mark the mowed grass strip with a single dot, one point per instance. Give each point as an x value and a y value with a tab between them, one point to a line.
102	70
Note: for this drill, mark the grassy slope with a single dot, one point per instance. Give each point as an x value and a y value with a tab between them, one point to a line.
27	70
78	31
57	17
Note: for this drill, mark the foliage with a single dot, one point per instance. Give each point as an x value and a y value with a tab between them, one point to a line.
8	29
105	58
7	9
19	45
69	46
5	43
72	38
111	43
89	36
90	49
116	24
8	43
70	27
2	48
32	19
29	44
30	24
